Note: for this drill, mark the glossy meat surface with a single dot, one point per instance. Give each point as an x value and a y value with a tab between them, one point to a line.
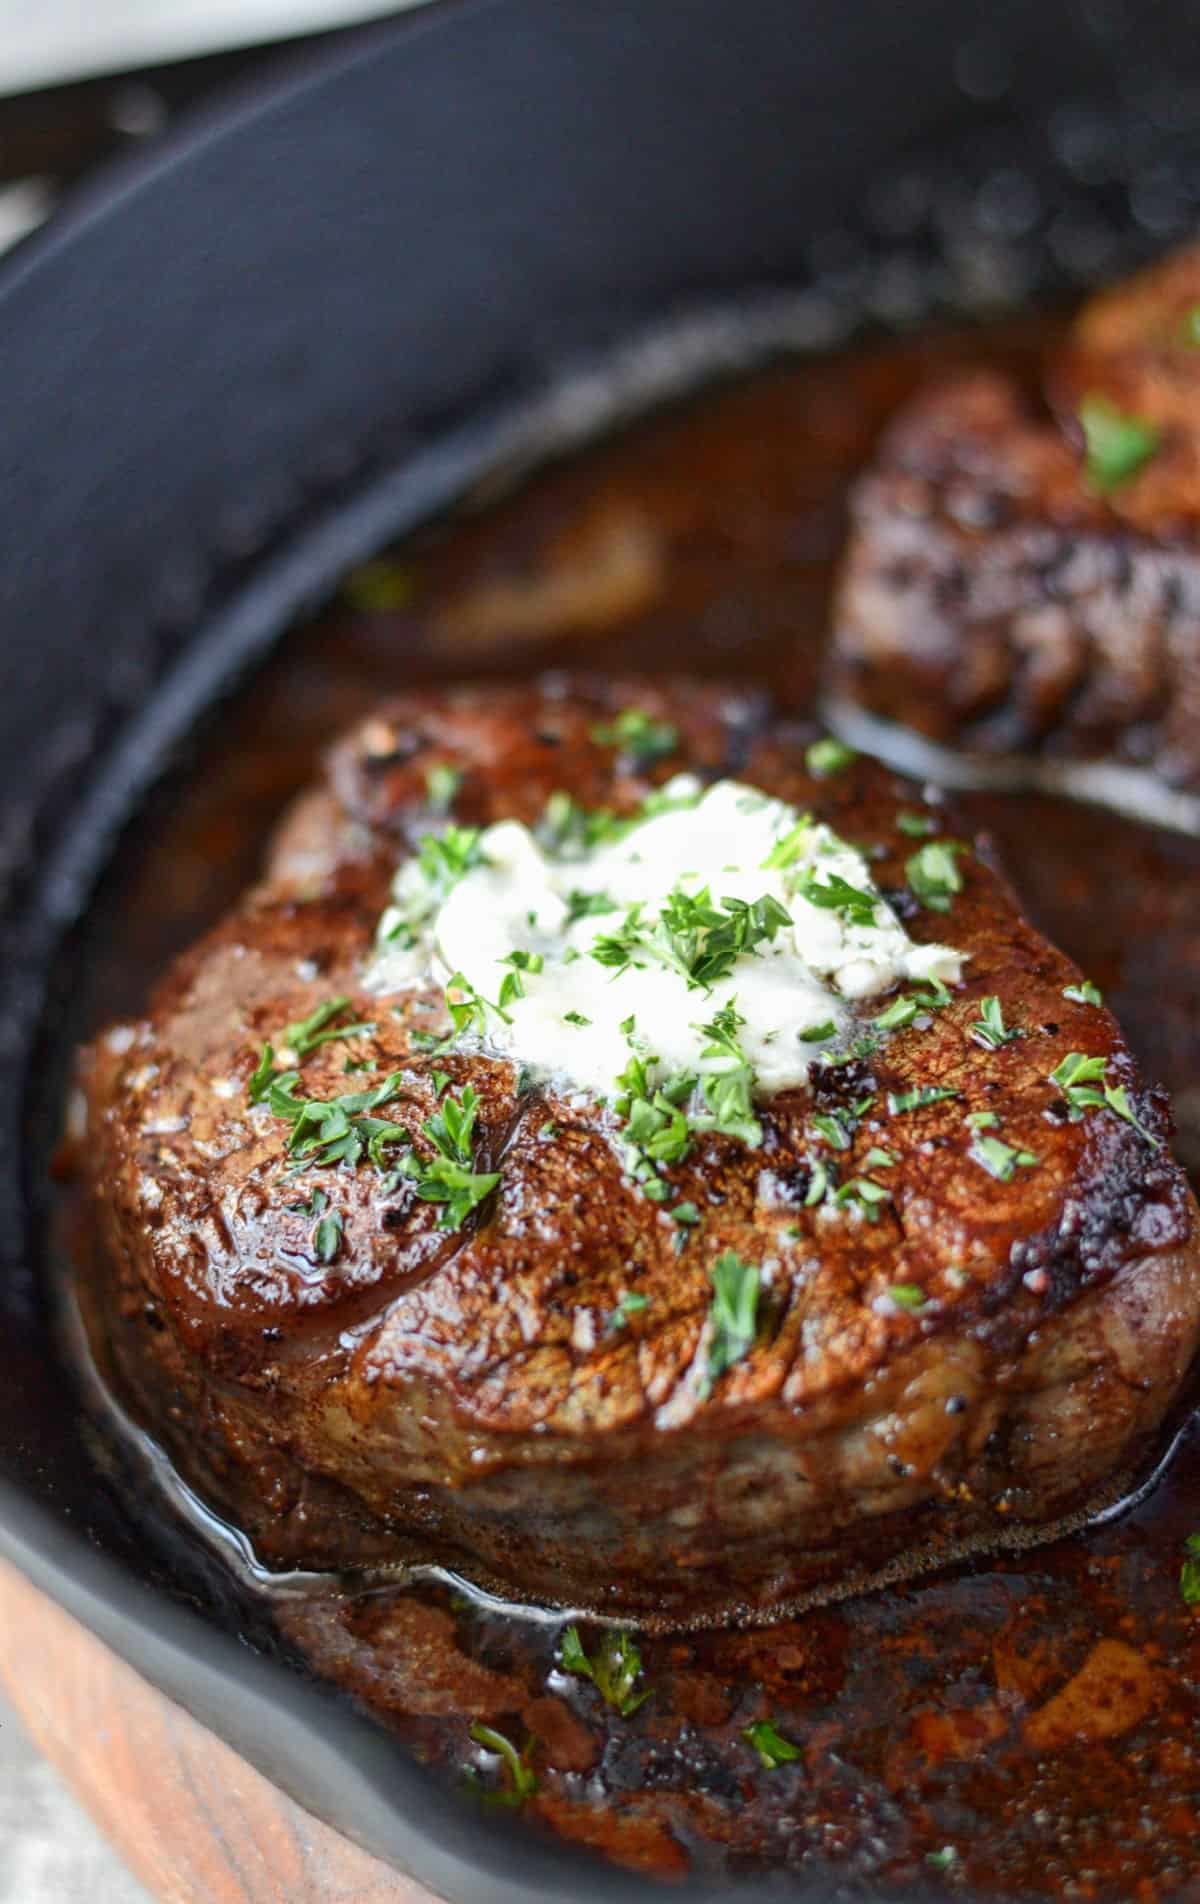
1006	593
470	1390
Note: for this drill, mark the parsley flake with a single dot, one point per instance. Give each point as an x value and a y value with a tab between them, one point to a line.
836	894
637	734
447	1178
918	826
1117	445
989	1028
899	1102
733	1313
827	757
1078	1078
522	1782
327	1236
1084	993
631	1303
907	1295
614	1668
1189	1573
442	782
932	873
772	1748
943	1860
999	1159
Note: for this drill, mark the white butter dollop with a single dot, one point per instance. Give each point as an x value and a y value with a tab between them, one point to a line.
572	1020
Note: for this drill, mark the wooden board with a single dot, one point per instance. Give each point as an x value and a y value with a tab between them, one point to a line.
193	1820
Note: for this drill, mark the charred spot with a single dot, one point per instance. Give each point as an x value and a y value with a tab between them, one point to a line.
836	1085
903	902
547	736
397	1214
1051	1030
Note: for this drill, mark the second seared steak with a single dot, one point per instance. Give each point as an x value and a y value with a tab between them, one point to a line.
942	1293
1022	586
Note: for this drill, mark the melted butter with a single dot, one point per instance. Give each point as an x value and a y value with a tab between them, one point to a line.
793	992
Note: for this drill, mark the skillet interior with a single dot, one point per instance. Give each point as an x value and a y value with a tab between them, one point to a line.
96	554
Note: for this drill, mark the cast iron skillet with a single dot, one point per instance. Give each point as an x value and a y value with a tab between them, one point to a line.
311	322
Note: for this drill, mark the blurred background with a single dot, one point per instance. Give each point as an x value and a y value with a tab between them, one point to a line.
82	81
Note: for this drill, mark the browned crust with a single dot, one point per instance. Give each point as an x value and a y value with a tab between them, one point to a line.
993	600
470	1385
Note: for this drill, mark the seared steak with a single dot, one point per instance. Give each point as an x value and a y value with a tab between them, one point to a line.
1022	586
545	1386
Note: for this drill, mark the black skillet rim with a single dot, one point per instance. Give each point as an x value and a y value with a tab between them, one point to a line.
306	1740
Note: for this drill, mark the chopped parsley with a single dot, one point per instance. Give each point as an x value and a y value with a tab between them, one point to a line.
568	827
699	940
772	1748
820	1184
1084	994
990	1029
442	782
614	1668
870	1197
442	860
632	1303
907	1295
788	847
877	1159
827	757
909	1006
637	734
259	1085
307	1034
733	1313
1082	1082
1189	328
836	894
522	1782
1000	1160
447	1178
982	1120
728	1093
932	873
1078	1078
943	1860
468	1009
817	1034
918	826
327	1236
1189	1573
830	1126
513	983
337	1130
575	1018
587	905
1117	1099
898	1102
1117	445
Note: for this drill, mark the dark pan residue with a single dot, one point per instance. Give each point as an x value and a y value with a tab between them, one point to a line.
1027	1725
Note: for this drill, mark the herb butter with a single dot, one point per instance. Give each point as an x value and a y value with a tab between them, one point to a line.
719	900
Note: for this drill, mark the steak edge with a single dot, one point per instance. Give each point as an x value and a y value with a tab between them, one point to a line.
466	1395
995	600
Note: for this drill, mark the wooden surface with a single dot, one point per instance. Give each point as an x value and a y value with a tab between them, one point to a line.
193	1820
